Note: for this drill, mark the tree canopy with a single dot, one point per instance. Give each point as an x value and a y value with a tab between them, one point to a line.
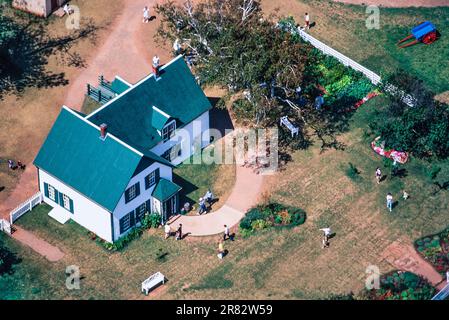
422	129
25	47
233	45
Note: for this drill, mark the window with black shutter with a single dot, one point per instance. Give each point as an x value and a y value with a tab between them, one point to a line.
132	192
152	179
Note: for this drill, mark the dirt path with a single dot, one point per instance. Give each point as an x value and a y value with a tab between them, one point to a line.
398	3
403	256
125	52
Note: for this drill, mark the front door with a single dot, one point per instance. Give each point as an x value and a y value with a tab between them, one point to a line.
169	207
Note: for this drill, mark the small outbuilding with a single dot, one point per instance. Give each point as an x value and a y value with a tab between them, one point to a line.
42	8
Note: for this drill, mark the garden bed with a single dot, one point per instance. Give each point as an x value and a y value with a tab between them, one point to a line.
401	285
435	249
269	216
151	220
342	88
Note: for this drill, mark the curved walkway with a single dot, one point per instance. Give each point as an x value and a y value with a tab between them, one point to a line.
245	194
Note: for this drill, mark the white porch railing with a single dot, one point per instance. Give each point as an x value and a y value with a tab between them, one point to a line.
26	206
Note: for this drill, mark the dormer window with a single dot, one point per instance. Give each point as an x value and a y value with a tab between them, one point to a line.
168	131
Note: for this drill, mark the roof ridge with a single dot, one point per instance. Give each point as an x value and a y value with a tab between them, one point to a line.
132	87
108	134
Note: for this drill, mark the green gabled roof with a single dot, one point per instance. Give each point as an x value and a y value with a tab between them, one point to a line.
158	119
130	115
165	189
118	86
74	154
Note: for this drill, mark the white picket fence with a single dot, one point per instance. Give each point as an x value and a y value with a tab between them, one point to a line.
374	77
26	206
443	294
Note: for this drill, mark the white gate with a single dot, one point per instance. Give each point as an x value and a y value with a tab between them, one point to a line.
24	207
5	226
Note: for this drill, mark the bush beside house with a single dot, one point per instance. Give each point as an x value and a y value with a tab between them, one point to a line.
151	220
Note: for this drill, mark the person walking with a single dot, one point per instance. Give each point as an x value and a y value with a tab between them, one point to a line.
220	249
167	230
201	206
395	168
146	15
325	242
405	195
209	197
177	47
378	175
307	19
226	234
327	231
390	201
179	232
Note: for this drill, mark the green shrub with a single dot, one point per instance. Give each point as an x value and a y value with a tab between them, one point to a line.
151	220
298	217
433	172
352	172
252	215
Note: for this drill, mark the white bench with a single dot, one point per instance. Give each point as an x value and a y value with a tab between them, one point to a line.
152	281
294	130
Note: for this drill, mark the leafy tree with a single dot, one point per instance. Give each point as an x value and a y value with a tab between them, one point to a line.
231	44
25	47
422	129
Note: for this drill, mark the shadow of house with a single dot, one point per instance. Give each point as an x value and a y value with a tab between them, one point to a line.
219	118
187	188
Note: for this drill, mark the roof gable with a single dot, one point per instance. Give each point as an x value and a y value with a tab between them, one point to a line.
130	116
74	153
159	119
165	189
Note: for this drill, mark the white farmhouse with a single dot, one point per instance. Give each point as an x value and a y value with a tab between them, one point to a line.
107	169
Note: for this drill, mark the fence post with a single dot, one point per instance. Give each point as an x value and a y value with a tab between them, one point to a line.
99	95
88	89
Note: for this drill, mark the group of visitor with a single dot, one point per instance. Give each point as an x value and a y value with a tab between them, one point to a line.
13	166
378	175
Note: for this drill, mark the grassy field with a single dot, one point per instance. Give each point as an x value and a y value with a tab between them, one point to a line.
343	28
275	264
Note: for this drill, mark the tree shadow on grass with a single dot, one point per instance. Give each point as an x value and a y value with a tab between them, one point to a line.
7	261
187	188
25	48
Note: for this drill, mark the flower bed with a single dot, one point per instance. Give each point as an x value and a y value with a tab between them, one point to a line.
151	220
343	88
401	285
435	249
271	215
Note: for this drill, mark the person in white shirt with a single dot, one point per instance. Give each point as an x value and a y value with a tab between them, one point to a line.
227	232
389	201
327	231
307	19
209	197
378	175
146	15
67	9
167	230
176	46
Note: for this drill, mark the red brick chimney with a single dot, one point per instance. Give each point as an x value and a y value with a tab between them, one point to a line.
103	131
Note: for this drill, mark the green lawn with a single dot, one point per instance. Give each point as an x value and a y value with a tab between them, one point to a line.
343	28
278	264
195	179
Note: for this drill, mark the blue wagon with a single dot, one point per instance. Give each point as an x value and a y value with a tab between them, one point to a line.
425	33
